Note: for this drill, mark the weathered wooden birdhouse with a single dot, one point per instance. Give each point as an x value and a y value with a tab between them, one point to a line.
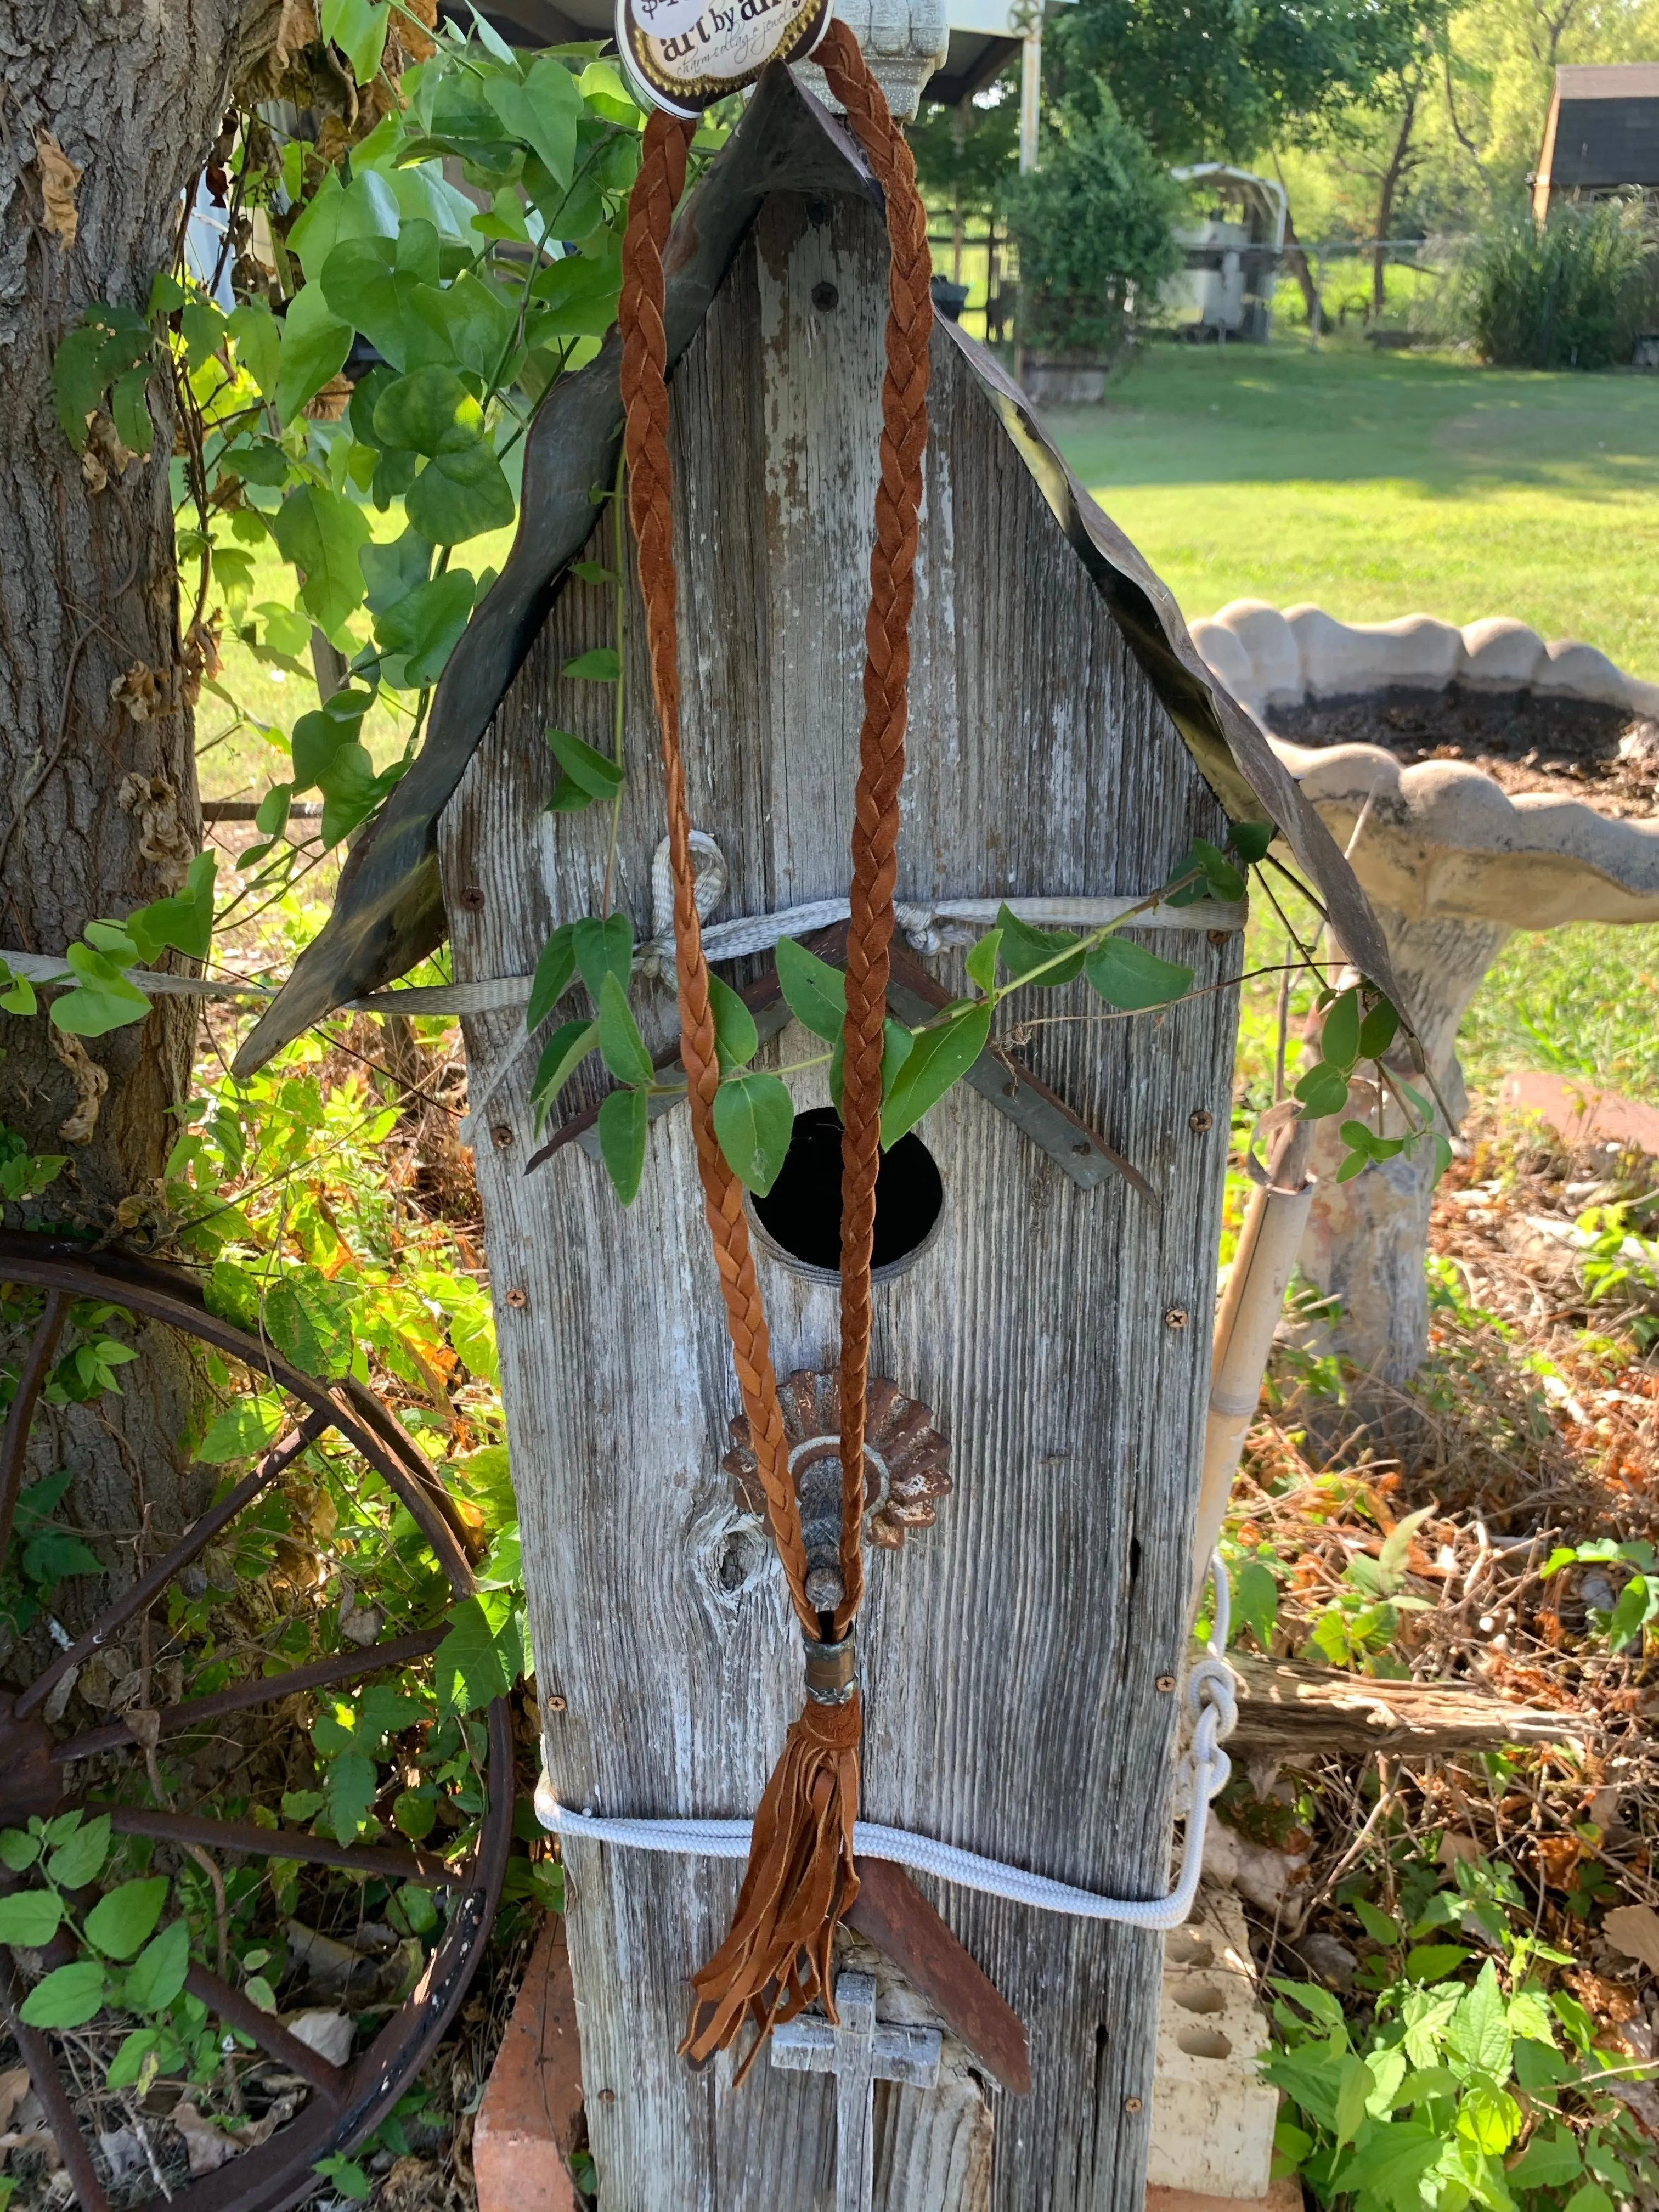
1046	1238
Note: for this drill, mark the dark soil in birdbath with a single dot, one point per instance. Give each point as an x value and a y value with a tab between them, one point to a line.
1572	748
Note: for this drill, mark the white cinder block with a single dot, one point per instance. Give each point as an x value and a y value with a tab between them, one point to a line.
1213	2115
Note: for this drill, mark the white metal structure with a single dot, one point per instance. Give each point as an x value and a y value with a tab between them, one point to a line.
1233	253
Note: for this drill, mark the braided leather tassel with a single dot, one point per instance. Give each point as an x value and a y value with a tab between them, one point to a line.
645	441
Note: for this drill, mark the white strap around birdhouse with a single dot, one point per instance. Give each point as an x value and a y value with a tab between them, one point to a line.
929	927
1212	1702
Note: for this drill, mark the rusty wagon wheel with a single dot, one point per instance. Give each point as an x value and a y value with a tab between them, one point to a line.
341	2103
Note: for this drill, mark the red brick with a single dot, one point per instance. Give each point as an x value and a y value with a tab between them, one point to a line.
1284	2196
527	2121
1582	1114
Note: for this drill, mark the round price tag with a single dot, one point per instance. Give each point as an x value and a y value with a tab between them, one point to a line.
683	54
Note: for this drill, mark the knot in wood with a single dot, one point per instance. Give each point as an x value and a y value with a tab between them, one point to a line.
905	1463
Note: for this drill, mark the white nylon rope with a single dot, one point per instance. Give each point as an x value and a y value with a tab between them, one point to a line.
1212	1702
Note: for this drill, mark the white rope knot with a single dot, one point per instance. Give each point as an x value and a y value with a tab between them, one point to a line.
731	940
925	933
709	877
1212	1697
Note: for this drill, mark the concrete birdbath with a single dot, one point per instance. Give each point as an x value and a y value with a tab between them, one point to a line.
1516	787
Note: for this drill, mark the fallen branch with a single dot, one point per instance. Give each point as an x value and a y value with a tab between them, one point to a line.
1288	1710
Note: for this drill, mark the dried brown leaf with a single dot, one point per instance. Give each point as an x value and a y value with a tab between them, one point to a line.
1607	2001
90	1081
59	177
13	2088
207	2147
1634	1929
162	837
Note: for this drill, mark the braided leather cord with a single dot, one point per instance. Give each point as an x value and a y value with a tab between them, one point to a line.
881	747
645	439
802	1875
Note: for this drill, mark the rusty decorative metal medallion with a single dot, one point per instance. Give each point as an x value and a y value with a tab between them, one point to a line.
684	54
907	1462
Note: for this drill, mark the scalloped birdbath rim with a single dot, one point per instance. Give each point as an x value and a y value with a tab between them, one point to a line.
1444	838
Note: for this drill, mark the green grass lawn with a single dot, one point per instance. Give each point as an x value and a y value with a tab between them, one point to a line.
1387	485
1384	485
236	762
1377	486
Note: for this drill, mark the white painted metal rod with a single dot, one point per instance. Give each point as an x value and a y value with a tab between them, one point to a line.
1245	1325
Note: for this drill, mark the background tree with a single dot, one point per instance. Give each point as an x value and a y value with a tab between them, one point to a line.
1477	124
1094	228
1192	80
109	116
1205	80
967	157
370	346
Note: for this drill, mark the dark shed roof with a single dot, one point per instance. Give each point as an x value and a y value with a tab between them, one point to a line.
1603	130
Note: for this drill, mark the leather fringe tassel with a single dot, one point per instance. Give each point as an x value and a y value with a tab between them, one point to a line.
801	1880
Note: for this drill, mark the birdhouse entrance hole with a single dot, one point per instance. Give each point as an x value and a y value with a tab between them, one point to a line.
801	1212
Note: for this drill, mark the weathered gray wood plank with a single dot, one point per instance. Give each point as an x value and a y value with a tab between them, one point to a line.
1012	1652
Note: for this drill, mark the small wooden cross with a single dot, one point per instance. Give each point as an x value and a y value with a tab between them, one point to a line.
858	2053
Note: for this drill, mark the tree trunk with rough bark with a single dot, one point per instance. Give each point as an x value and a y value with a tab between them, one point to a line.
98	810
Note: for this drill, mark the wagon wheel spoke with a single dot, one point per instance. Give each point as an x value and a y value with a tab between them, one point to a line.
21	1414
267	2031
433	1507
48	2085
266	1690
342	2100
284	1844
195	1539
